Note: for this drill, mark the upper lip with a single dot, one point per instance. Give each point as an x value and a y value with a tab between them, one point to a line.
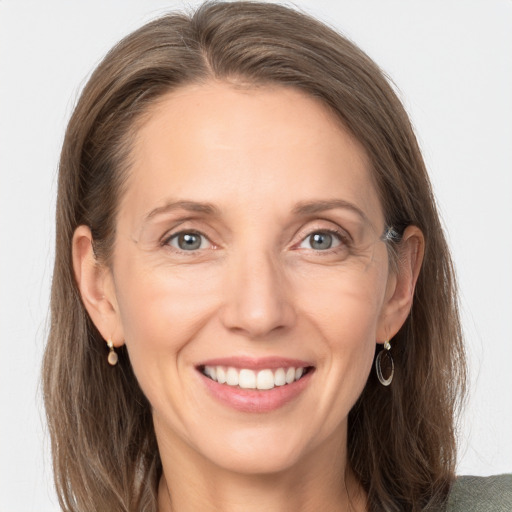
259	363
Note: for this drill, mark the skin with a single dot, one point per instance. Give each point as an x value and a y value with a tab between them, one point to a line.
255	287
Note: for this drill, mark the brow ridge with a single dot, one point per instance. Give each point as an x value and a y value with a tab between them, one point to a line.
193	206
302	208
317	206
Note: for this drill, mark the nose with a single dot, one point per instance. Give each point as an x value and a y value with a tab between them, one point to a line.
257	299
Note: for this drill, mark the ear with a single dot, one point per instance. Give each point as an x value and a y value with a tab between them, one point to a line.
96	285
401	284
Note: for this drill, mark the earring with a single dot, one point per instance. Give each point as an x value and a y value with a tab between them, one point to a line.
384	360
112	355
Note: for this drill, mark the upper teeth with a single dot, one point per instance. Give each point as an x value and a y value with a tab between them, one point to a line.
249	379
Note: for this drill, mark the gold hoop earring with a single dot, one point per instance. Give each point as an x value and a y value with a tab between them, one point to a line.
112	357
384	360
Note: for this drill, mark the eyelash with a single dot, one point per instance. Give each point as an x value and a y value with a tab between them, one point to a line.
166	241
343	239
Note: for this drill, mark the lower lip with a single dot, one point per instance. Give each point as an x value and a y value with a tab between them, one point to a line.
256	401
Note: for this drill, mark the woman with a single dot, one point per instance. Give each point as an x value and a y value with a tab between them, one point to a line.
253	303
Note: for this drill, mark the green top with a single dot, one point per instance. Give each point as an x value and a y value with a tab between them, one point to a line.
481	494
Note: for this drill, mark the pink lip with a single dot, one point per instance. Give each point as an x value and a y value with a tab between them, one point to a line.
253	400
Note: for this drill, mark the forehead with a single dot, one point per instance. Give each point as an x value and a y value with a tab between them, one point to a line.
223	144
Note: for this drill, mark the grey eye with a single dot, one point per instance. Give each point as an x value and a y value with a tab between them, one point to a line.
188	241
320	241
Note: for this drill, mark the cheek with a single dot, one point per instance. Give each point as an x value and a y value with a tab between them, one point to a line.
345	303
160	309
347	324
344	311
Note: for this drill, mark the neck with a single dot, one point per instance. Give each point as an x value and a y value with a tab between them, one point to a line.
322	482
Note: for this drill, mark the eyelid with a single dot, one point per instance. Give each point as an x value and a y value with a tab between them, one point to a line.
187	224
339	240
333	229
165	241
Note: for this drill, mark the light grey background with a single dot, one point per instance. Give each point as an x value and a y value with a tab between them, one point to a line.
452	63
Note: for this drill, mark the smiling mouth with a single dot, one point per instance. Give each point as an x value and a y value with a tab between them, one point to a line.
264	379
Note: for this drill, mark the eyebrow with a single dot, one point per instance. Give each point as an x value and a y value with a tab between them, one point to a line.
191	206
311	207
302	208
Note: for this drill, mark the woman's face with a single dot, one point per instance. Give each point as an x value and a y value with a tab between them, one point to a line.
248	248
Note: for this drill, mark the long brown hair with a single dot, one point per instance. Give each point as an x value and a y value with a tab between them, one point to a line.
401	440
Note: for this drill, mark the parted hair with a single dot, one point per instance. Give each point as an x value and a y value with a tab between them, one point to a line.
401	439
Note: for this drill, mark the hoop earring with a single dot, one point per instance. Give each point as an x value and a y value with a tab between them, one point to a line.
112	357
384	356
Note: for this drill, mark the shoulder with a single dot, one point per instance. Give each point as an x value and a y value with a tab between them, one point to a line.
481	494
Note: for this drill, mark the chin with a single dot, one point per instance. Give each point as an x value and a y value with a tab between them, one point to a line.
261	450
257	462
